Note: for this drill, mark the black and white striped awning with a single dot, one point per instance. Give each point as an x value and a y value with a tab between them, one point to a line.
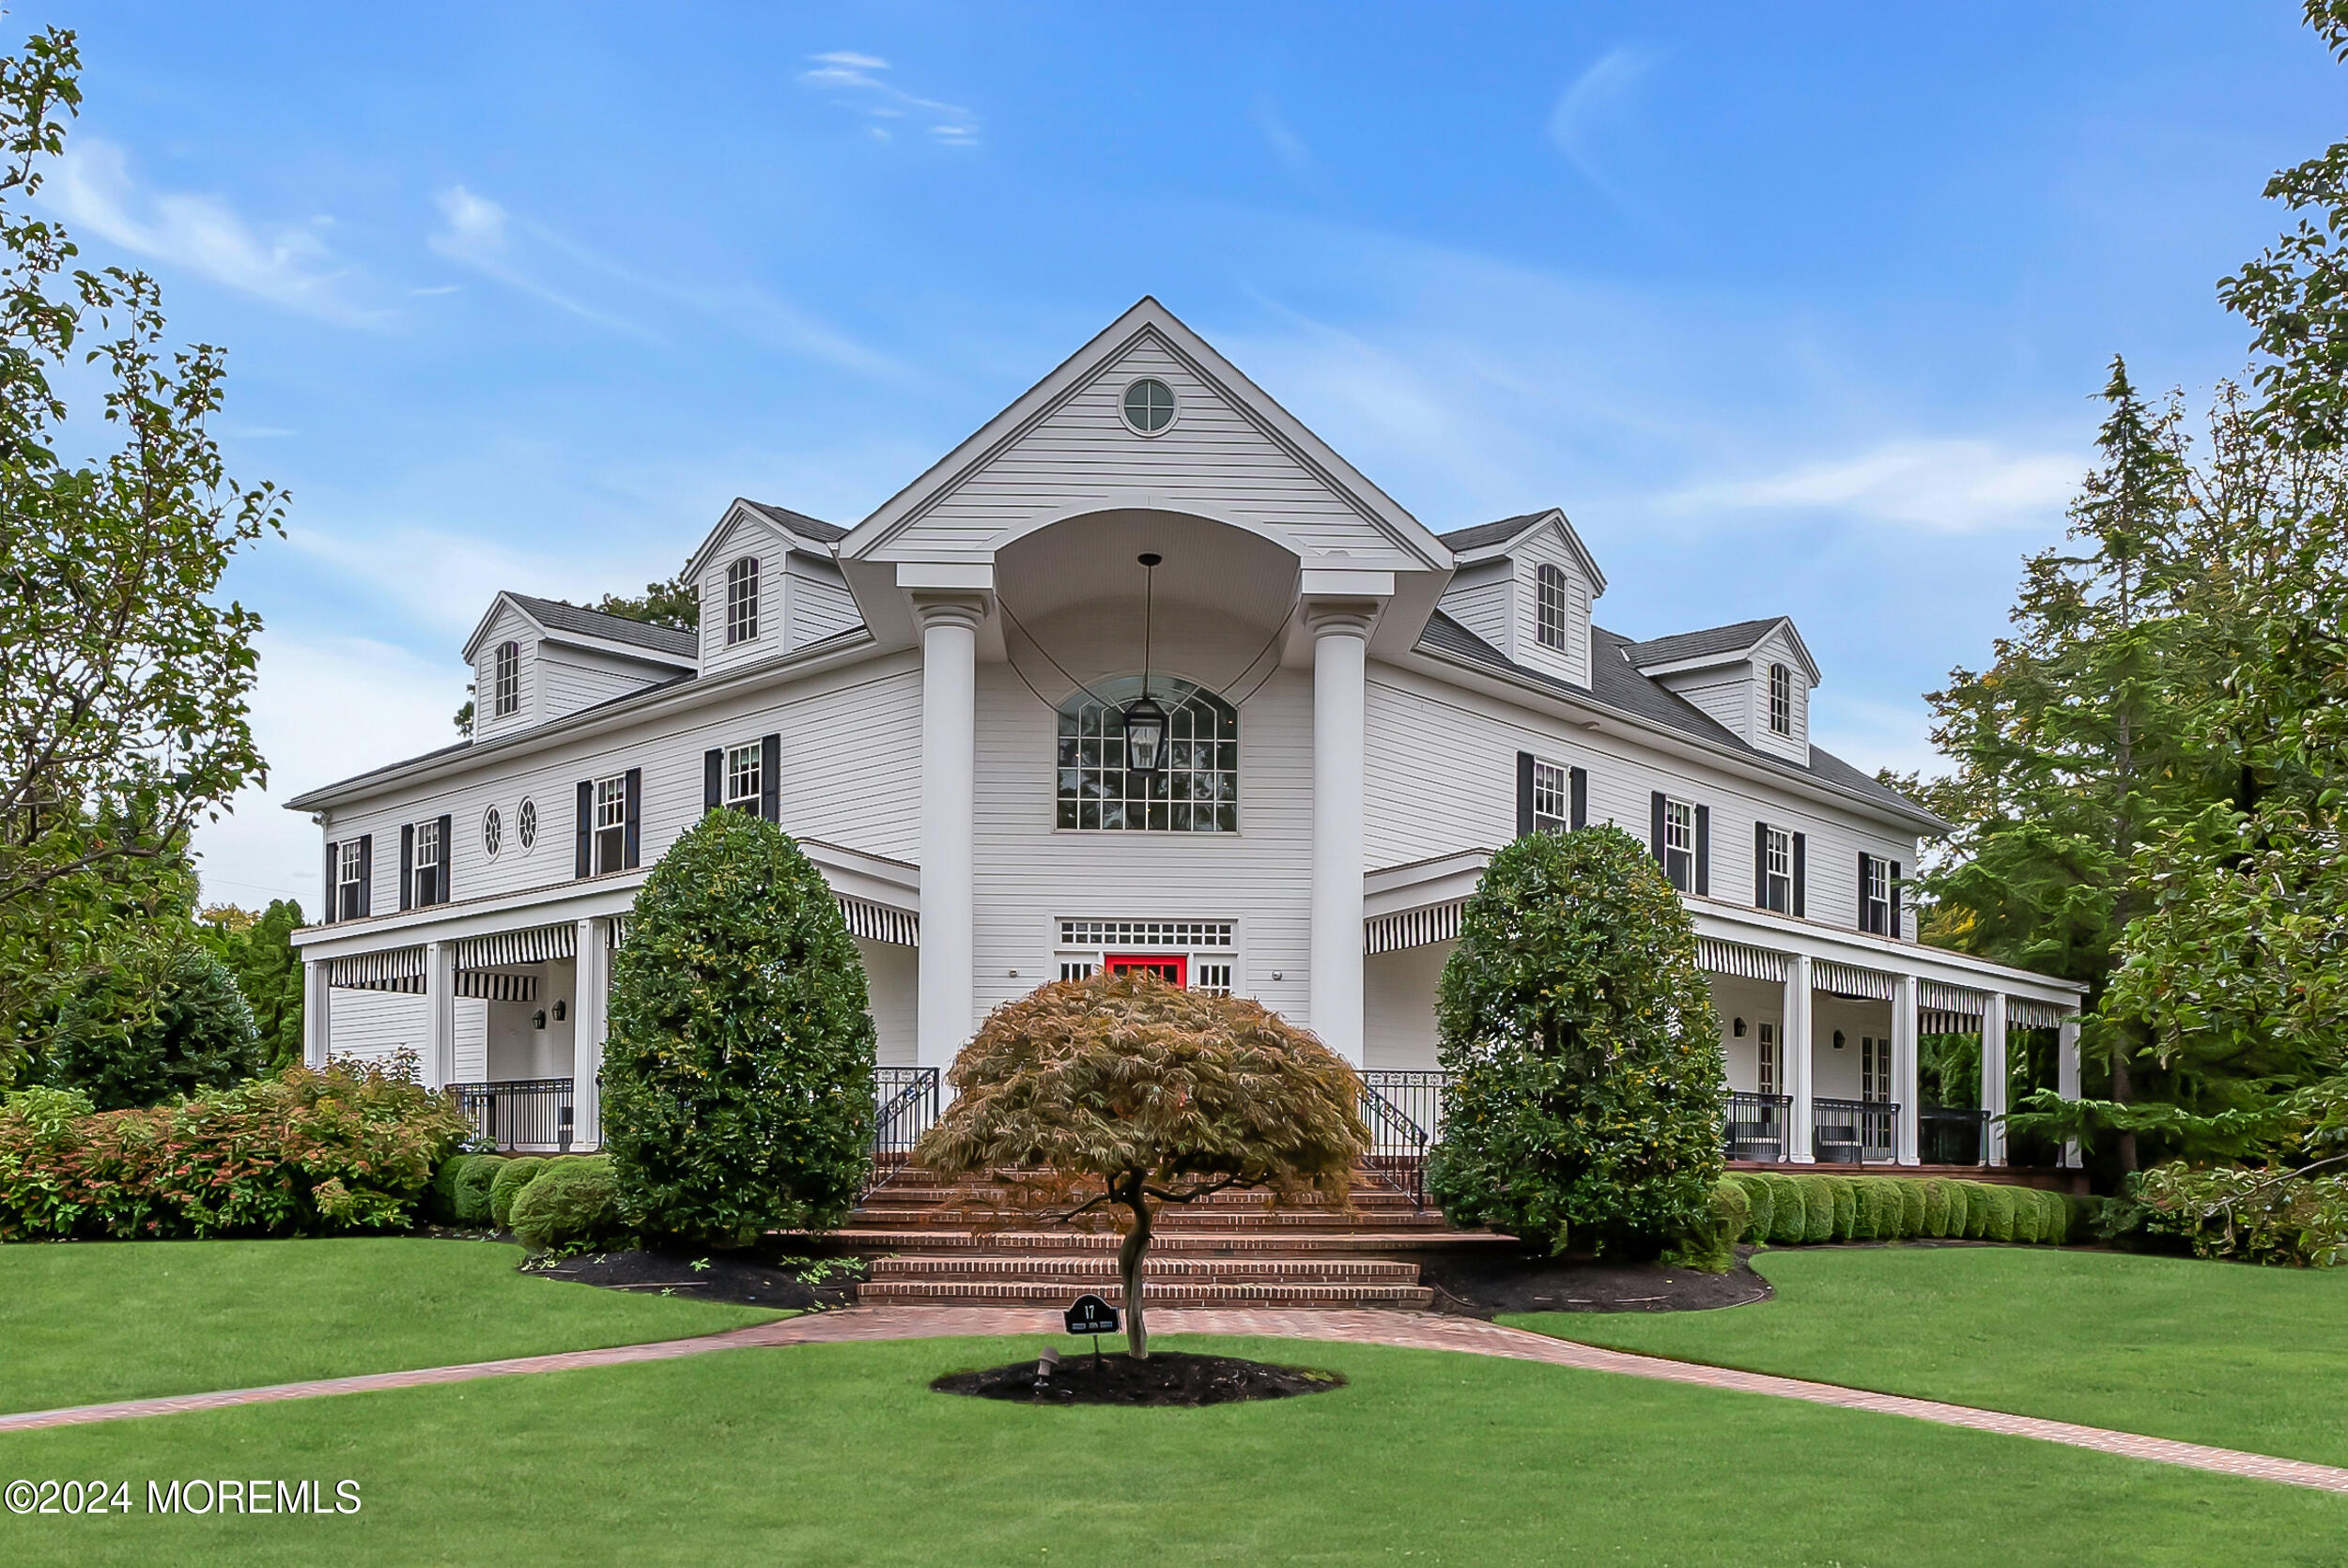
1848	979
898	927
497	985
512	949
1412	928
392	969
1735	958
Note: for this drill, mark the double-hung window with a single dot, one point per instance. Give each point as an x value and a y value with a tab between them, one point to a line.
1679	845
1874	895
742	600
1771	1065
1874	1068
1552	798
426	872
744	777
1550	606
351	880
612	824
1777	869
1780	700
508	679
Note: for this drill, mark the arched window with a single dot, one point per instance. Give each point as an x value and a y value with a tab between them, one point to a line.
1549	607
1198	790
1780	700
742	600
508	686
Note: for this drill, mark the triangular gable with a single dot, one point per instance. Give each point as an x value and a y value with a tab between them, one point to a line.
1052	454
744	513
1507	543
504	600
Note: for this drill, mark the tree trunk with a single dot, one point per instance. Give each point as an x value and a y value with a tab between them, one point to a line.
2122	1090
1129	1259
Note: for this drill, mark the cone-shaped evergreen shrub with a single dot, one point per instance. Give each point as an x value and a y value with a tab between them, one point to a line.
473	1180
1760	1207
1789	1213
1587	1093
737	1081
512	1177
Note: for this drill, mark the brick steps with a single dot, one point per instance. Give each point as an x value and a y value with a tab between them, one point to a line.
1058	1294
1088	1270
1202	1243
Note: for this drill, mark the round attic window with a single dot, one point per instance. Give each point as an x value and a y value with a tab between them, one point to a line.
527	822
1149	406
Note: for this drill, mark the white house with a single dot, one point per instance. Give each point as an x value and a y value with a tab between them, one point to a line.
935	702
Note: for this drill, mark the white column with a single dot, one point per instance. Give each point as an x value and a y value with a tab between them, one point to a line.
590	1026
950	781
317	1013
1795	1045
1340	632
440	1014
2067	1075
1905	1085
1993	1078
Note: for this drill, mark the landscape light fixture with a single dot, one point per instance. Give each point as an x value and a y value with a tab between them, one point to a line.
558	1009
1145	721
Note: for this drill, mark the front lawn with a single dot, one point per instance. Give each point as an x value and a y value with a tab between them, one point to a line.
841	1455
2218	1353
87	1322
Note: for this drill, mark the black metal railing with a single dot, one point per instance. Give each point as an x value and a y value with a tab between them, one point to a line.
1950	1135
1757	1124
1854	1131
531	1115
1403	1111
905	1104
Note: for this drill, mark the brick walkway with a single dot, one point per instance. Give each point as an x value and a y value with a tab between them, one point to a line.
1405	1330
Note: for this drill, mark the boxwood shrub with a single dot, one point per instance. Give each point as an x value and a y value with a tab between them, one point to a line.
1794	1210
1818	1199
1760	1205
573	1205
472	1188
511	1179
1911	1207
1789	1210
1845	1205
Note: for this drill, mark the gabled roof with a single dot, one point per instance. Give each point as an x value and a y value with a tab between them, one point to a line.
1148	318
820	537
1616	683
799	522
552	616
1693	650
1485	541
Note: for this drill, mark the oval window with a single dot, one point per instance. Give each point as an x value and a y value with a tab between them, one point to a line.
526	823
1149	406
492	832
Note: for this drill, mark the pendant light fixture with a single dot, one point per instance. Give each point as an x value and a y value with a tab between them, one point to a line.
1145	721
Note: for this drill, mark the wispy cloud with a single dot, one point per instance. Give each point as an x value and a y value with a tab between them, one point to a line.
478	233
1947	485
857	79
1593	105
287	263
1294	154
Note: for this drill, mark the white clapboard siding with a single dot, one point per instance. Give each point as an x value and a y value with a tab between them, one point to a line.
1778	648
820	604
1398	1005
372	1024
1546	546
509	625
1478	599
892	987
1213	457
748	536
1724	695
576	678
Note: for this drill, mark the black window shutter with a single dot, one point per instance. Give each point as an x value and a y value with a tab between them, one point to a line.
1704	851
1802	875
770	777
713	779
635	813
1580	780
408	866
1656	828
448	859
1524	794
1862	892
1760	865
334	881
1893	888
367	873
586	864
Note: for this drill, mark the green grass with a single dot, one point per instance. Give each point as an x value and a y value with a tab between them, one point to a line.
2218	1353
839	1455
82	1323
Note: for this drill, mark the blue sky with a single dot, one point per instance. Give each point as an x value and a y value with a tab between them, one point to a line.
1793	309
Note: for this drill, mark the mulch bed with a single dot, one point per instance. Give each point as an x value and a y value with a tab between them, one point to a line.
1168	1378
749	1279
1484	1285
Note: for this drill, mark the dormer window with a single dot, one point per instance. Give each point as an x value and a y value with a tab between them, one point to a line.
742	600
1780	700
507	683
1549	607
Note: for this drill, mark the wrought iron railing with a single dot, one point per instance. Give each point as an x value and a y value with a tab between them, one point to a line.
1854	1131
1756	1126
905	1104
1403	1111
1950	1135
521	1114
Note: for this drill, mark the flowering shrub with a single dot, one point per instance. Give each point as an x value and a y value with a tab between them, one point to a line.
348	1148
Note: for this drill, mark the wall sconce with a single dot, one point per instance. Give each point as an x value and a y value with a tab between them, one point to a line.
558	1009
1838	1040
1737	1027
538	1019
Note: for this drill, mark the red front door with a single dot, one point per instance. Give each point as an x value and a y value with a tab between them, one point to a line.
1173	968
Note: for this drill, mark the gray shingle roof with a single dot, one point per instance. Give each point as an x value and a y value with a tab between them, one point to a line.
555	615
799	522
1490	533
1615	683
1701	644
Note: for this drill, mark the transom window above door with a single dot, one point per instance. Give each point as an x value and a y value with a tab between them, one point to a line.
1195	792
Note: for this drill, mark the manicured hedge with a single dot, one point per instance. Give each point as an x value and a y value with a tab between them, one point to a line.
474	1179
1760	1203
1818	1199
1793	1210
512	1177
1789	1213
573	1205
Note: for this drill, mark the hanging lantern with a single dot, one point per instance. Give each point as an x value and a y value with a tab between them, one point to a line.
1144	735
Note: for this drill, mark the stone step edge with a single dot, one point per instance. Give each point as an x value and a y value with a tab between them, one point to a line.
1161	1296
1300	1270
